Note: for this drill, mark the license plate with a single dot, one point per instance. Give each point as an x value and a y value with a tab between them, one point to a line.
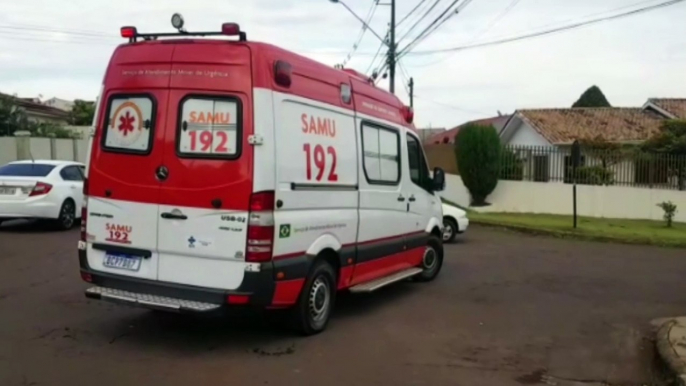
122	261
7	191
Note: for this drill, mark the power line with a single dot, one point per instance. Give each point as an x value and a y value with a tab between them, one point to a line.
368	18
548	32
452	106
496	20
435	3
410	13
428	31
57	30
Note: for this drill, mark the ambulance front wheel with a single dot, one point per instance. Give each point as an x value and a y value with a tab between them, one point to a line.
312	311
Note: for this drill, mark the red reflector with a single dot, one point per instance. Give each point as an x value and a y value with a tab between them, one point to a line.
128	32
408	114
40	189
85	276
238	299
231	29
84	218
262	201
282	73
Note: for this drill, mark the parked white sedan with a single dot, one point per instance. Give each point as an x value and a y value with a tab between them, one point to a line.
42	190
454	221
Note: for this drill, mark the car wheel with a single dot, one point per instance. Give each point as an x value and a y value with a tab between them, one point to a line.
450	230
432	261
67	216
312	312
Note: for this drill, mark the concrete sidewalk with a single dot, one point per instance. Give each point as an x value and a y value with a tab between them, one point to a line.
671	345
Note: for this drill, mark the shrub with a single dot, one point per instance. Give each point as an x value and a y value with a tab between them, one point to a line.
670	210
594	175
477	150
511	166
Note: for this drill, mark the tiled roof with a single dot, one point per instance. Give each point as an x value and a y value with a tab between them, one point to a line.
563	126
676	107
448	136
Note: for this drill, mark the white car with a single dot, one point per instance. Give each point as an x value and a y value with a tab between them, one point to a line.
454	221
42	190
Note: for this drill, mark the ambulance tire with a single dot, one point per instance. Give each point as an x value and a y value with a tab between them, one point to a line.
432	260
312	311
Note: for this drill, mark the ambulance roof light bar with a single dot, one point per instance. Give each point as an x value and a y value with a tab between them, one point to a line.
228	29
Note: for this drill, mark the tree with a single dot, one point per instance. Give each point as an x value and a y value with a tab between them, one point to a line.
478	149
592	97
12	118
82	113
671	140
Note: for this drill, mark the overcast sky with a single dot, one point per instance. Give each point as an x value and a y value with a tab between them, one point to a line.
630	59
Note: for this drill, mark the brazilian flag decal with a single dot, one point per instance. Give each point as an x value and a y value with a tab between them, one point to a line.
285	231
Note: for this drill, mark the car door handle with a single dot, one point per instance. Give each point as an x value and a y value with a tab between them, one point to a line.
412	199
174	216
401	198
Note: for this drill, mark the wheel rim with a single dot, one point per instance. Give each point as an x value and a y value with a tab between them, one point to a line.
447	231
430	260
67	215
320	298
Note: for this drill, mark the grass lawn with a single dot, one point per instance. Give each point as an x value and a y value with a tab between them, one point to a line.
602	229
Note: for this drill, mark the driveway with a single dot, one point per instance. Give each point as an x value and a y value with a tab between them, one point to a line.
507	309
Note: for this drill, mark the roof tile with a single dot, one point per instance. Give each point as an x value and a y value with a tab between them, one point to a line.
563	126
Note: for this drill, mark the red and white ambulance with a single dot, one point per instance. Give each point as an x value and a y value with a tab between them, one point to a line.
227	172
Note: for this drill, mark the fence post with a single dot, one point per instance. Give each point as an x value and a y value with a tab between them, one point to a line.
23	143
74	150
53	146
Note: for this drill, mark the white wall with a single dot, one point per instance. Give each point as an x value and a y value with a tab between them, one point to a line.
64	149
455	190
556	198
8	150
40	148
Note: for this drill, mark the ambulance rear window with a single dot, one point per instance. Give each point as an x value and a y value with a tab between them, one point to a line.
130	124
209	127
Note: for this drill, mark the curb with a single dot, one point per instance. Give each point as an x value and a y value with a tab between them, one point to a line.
665	349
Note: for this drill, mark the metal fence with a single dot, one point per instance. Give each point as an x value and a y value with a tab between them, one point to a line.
614	166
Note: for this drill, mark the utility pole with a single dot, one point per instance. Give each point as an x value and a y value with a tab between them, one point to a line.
391	50
411	92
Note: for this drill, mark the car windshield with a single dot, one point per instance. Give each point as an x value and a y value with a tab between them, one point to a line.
26	170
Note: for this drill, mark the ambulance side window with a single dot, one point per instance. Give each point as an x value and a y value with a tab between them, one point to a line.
381	154
130	123
209	127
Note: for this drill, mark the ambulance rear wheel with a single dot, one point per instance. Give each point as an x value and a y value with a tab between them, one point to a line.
312	311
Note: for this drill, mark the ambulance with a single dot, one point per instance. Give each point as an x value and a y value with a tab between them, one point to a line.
224	172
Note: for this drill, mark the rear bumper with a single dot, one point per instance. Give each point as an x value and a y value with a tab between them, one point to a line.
24	209
257	287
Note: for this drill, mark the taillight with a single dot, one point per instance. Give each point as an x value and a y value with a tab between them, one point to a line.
260	227
40	189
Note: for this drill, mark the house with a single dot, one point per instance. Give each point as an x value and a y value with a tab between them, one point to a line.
58	103
426	133
448	136
40	113
542	138
669	108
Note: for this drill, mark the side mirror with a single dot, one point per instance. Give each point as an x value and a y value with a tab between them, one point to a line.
438	181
